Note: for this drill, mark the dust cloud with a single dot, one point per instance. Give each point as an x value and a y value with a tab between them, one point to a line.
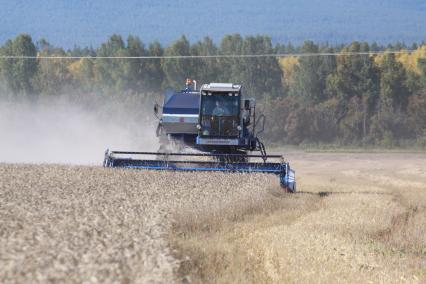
60	130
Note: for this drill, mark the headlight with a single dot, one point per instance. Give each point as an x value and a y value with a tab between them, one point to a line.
239	128
198	127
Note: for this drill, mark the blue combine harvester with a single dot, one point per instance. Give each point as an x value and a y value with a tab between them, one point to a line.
216	121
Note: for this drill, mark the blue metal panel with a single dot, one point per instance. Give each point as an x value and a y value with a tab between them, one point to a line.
182	103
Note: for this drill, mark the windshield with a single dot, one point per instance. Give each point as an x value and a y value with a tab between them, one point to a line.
221	104
220	114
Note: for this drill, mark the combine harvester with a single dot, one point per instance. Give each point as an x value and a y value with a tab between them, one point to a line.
219	124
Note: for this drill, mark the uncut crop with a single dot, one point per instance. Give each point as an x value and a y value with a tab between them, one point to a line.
89	224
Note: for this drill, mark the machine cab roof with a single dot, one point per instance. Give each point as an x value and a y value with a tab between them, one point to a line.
221	87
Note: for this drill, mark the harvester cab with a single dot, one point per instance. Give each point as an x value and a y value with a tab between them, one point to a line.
216	119
225	118
219	123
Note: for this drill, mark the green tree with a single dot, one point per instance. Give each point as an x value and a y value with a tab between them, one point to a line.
231	67
206	69
154	71
135	69
83	74
417	113
393	82
261	76
86	51
111	73
355	76
422	65
53	75
310	74
390	121
18	73
177	70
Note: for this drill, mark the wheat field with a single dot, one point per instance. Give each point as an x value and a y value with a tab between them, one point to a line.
356	218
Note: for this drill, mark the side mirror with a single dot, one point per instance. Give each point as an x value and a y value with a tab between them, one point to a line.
247	105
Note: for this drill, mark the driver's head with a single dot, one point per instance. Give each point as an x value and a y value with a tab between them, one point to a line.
218	103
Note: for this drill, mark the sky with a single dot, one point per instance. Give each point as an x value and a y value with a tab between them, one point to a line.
89	23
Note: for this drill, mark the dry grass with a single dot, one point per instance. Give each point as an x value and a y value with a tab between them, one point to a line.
356	218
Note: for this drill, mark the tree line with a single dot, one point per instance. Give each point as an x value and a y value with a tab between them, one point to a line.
340	99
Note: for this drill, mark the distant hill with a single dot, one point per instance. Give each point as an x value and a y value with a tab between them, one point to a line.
66	23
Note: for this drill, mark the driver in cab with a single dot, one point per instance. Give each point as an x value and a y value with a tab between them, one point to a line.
219	110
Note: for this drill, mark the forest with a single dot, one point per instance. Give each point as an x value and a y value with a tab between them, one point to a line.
356	100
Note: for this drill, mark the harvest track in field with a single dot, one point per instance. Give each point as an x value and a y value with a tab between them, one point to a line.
356	218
